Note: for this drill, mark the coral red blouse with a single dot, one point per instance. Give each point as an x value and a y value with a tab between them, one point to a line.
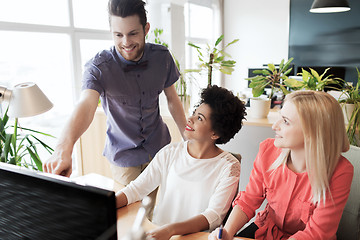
290	211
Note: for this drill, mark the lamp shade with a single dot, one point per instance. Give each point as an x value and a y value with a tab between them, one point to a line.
28	100
329	6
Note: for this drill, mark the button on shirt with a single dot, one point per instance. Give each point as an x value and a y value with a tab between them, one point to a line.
130	99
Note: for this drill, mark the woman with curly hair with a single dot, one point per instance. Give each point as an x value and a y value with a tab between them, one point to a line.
300	173
197	180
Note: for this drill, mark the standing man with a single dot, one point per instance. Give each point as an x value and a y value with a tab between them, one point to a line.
128	78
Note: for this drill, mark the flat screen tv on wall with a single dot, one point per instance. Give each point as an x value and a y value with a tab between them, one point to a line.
327	39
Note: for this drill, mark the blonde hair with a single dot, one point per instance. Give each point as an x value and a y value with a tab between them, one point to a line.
322	122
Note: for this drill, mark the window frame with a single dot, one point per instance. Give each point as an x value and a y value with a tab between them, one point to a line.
75	34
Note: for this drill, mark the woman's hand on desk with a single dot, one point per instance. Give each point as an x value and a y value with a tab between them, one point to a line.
121	199
192	225
214	235
160	233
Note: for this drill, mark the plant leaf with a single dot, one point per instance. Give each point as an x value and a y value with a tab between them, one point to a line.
258	71
271	66
259	89
7	146
219	59
226	70
35	158
47	147
287	72
284	90
287	64
232	42
219	40
34	131
281	64
225	54
293	83
322	75
315	74
305	75
193	45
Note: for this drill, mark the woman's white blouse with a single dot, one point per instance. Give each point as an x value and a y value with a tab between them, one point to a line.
187	186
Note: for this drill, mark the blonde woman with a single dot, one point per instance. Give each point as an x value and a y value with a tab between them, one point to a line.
300	173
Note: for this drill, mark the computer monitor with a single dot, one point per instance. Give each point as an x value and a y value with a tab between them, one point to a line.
36	206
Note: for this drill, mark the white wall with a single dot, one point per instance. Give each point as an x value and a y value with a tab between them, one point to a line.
263	29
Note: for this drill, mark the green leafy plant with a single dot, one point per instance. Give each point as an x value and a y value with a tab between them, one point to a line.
157	32
181	84
214	58
312	80
352	96
20	149
270	76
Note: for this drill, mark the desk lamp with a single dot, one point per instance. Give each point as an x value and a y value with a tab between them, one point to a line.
329	6
25	100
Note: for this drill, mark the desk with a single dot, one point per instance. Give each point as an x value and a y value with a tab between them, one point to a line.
126	216
271	118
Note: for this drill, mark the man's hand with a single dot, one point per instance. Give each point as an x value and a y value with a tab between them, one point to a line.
59	163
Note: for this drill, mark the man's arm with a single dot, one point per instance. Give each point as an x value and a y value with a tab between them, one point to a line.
176	108
61	162
192	225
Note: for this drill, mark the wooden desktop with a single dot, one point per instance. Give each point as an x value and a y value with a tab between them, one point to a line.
126	217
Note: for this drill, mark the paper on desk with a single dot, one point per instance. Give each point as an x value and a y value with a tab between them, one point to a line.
96	180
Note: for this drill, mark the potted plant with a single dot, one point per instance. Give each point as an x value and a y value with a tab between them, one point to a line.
274	78
20	149
215	58
350	100
181	85
311	80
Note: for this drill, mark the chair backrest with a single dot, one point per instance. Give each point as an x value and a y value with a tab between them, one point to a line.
238	157
349	227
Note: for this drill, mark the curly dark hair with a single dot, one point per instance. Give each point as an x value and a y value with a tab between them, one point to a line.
227	112
125	8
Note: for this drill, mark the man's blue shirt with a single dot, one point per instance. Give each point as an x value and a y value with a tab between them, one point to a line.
130	99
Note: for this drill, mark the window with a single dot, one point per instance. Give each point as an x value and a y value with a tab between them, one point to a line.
43	12
48	42
199	21
202	27
91	17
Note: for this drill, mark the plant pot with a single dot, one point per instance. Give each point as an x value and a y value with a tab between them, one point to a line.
347	109
259	107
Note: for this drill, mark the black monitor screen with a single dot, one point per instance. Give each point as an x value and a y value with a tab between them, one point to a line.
36	206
